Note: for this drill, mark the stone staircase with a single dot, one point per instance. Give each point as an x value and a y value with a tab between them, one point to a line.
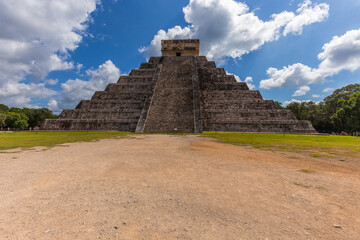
172	107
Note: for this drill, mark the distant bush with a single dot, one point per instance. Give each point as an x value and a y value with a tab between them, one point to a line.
22	118
340	111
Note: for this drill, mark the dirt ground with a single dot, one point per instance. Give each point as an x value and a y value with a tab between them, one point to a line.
175	187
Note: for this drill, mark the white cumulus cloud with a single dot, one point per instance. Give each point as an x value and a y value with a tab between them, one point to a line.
301	91
237	78
52	82
249	82
295	75
295	100
326	90
54	106
36	37
226	28
341	53
75	90
307	14
20	94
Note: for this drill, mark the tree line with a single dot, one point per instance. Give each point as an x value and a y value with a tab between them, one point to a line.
338	112
23	118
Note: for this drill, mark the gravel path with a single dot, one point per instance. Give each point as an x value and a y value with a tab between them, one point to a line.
175	187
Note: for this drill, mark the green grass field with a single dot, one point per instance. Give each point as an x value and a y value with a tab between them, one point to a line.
49	139
315	145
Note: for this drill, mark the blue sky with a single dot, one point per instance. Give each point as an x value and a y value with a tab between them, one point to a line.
55	53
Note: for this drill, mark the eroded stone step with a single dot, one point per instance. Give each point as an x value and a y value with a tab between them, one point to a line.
211	86
155	60
202	62
129	87
206	79
120	96
239	104
239	111
249	114
219	95
148	65
110	104
100	114
142	72
238	101
135	79
204	72
287	126
95	125
171	126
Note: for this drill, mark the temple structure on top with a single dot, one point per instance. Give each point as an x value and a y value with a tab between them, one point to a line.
188	47
178	92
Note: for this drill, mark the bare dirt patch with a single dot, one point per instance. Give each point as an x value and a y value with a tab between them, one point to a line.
171	187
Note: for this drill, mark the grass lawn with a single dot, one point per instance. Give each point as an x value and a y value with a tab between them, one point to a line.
317	145
49	139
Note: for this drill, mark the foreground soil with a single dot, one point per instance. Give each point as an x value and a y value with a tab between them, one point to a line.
176	187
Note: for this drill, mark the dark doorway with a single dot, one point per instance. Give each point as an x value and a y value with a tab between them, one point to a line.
178	54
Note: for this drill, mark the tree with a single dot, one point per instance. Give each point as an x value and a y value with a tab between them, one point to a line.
23	117
302	111
16	120
335	113
278	105
314	113
21	124
4	108
331	101
321	119
38	116
331	104
35	116
347	115
3	117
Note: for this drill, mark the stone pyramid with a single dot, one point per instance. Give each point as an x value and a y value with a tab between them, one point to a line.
178	92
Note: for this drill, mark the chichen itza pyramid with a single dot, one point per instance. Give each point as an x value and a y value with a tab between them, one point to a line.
178	92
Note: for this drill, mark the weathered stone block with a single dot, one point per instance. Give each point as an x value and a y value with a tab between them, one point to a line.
188	47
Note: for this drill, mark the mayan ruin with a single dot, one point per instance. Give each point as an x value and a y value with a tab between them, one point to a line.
178	92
